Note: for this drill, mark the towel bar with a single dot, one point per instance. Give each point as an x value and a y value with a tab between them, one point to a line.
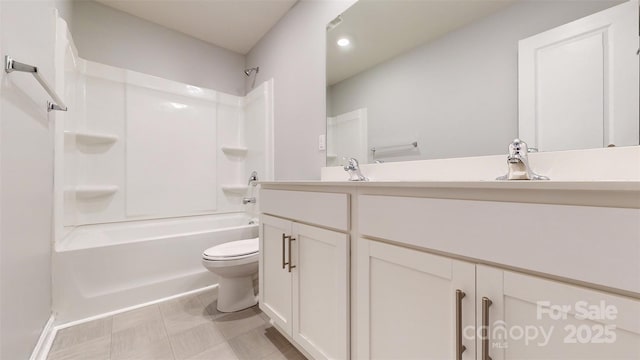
11	65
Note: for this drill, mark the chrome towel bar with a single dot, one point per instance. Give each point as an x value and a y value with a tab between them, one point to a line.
380	148
11	65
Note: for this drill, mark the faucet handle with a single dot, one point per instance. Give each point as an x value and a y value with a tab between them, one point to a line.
518	149
353	168
253	178
518	163
352	164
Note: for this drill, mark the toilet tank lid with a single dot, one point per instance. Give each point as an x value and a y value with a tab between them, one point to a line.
233	248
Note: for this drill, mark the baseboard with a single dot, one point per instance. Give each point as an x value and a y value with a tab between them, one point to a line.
119	311
45	341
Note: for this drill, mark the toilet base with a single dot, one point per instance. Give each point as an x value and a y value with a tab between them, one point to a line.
235	294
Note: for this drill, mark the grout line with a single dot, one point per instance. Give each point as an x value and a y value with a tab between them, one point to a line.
111	338
166	332
253	328
213	321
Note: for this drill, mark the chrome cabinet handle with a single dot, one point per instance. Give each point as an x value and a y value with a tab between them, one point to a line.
459	347
486	303
289	263
283	259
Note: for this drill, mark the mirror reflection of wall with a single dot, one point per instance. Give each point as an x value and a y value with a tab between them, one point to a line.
345	137
445	74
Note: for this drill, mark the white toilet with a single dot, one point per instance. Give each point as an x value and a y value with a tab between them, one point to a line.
236	264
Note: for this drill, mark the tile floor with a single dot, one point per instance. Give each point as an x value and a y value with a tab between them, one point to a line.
186	328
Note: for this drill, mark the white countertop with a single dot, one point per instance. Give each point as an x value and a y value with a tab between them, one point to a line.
616	194
628	186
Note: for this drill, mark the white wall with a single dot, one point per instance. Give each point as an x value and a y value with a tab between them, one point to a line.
26	177
458	95
293	54
115	38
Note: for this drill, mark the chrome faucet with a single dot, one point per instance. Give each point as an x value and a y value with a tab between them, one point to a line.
253	178
518	163
353	168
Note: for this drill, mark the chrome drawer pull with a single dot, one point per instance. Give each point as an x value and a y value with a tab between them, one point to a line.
283	239
289	263
486	303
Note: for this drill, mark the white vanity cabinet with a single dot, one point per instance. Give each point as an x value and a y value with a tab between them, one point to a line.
407	304
304	269
534	318
408	307
405	294
450	278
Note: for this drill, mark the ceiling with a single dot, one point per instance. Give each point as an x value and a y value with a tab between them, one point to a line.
381	30
236	25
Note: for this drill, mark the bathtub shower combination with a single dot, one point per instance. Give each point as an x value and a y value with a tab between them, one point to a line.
149	173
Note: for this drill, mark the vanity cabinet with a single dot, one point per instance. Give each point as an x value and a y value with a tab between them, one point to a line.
409	306
525	316
407	303
304	272
535	318
440	278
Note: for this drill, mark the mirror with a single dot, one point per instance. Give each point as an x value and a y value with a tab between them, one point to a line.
414	80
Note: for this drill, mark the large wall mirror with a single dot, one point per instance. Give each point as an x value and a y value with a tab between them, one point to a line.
429	79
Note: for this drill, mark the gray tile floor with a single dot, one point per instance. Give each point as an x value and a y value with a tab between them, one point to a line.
185	328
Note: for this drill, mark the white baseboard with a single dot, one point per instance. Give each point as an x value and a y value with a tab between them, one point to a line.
45	341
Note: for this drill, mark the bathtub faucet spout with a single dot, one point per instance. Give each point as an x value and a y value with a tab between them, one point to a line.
251	200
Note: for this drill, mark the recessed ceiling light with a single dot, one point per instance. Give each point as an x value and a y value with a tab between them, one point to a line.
342	42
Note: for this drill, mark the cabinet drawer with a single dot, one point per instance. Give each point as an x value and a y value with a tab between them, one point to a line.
325	209
591	244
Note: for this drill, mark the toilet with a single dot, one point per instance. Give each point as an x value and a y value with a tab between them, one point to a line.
236	264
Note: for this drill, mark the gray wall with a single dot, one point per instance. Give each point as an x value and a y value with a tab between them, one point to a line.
116	38
26	178
293	53
457	95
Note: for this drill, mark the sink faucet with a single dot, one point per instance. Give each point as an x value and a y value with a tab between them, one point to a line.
353	168
518	163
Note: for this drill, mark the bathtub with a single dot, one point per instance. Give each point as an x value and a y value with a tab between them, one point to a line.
99	269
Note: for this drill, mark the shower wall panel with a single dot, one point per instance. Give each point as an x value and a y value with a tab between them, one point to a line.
171	153
134	146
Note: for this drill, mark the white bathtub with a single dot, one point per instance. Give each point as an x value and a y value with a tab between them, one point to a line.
103	268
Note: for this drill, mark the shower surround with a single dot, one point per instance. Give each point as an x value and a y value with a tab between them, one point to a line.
148	173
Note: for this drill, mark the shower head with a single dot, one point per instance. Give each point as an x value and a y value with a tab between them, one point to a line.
249	71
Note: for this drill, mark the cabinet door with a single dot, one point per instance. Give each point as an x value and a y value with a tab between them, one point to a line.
406	303
321	291
535	318
274	277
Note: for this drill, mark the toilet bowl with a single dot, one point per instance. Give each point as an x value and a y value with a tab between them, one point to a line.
236	264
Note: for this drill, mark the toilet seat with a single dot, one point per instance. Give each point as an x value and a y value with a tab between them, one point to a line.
234	250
